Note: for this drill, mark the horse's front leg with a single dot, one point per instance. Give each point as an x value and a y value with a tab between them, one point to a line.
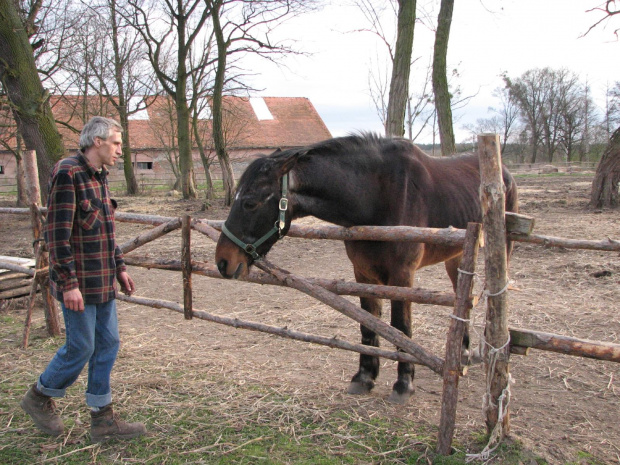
403	387
364	379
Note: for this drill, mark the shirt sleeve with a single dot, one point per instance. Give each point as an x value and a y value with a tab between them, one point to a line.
119	260
58	229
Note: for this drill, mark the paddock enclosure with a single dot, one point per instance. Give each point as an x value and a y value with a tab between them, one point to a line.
560	405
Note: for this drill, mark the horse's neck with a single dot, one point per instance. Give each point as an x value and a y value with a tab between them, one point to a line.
324	194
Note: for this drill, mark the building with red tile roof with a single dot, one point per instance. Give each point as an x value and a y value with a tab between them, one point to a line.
253	126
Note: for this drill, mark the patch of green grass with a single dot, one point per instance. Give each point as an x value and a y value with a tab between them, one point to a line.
585	458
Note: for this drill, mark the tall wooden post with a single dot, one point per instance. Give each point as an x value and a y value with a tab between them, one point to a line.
31	172
497	346
186	265
452	365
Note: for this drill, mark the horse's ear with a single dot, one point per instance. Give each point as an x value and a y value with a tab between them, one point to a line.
287	163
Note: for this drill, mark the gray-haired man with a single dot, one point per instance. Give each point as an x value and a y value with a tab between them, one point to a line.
85	263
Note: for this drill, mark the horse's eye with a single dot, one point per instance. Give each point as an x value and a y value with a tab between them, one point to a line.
250	205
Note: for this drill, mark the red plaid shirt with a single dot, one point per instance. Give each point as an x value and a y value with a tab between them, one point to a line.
80	232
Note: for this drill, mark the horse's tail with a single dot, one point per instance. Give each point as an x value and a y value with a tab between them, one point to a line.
512	202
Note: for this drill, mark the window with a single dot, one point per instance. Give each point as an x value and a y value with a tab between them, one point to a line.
260	109
144	165
1	169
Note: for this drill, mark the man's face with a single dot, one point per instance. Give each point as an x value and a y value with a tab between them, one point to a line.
109	150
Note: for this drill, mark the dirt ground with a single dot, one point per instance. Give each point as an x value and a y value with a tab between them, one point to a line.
562	407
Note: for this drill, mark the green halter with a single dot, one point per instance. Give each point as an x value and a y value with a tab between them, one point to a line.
277	228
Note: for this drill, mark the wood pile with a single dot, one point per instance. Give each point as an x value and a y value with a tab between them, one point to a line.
14	284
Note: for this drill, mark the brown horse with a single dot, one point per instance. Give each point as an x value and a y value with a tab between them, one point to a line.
351	181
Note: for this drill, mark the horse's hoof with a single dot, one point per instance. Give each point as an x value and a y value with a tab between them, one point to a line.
358	388
400	399
473	358
401	392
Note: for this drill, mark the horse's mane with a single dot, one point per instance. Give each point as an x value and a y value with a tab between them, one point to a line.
353	143
363	148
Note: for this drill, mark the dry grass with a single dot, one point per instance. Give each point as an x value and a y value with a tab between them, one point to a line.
197	413
211	394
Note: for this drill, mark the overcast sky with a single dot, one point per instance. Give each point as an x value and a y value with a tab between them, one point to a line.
487	38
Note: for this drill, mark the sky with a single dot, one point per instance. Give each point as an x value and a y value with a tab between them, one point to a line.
487	38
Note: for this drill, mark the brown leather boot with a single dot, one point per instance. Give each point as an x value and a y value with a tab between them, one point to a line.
105	424
42	410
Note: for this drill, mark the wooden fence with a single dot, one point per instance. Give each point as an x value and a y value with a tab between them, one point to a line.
499	337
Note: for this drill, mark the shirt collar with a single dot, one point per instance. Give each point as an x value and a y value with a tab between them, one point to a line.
90	168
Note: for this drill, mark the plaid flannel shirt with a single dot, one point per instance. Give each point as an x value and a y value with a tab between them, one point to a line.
80	232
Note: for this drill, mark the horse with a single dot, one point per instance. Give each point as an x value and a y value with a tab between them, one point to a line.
361	179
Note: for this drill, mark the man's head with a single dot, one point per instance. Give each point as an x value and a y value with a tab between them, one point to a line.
101	141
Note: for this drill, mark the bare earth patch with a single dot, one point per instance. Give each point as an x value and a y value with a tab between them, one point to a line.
561	406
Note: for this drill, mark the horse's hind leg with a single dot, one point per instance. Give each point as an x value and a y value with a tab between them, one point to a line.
364	379
403	387
452	268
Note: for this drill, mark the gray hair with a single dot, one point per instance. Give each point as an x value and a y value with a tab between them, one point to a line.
98	126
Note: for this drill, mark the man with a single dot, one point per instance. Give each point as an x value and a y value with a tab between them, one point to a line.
84	262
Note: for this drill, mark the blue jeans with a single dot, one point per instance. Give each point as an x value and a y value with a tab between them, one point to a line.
91	337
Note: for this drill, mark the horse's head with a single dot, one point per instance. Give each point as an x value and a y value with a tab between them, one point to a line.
258	216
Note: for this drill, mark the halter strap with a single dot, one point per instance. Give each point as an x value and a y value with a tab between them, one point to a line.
250	249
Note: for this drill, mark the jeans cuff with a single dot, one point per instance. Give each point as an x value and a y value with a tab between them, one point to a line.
98	400
49	391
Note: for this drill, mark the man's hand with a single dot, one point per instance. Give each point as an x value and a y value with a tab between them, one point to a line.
127	285
73	300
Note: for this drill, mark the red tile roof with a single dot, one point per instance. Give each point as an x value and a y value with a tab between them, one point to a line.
295	123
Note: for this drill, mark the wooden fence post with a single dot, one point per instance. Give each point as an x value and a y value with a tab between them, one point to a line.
452	365
34	200
186	265
497	340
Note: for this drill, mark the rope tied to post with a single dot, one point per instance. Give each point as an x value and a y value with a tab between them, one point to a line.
502	406
503	401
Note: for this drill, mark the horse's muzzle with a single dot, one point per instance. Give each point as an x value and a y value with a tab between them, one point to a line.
232	262
222	266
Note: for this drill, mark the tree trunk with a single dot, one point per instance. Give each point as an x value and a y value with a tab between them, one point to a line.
440	79
401	68
605	184
29	101
130	177
20	179
204	158
186	163
20	174
228	176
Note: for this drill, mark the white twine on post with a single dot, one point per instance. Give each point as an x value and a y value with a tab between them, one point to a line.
504	398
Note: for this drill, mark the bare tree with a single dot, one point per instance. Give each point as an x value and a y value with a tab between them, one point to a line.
420	108
526	90
243	28
165	130
401	69
556	110
8	134
29	101
605	185
440	79
507	112
612	110
119	73
167	29
415	109
577	115
604	191
609	9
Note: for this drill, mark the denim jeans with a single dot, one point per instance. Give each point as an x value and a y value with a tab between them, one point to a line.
91	337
